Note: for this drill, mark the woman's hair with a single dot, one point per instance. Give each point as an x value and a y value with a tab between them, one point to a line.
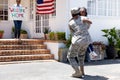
73	15
84	10
18	0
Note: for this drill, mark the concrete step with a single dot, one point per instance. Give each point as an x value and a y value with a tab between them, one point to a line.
26	57
20	47
20	42
24	52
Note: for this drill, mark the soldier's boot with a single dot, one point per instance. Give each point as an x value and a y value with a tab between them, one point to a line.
77	73
82	70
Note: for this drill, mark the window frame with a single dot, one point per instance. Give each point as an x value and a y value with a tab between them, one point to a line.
109	8
4	10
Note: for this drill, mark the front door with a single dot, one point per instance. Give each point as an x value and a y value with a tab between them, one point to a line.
39	21
42	20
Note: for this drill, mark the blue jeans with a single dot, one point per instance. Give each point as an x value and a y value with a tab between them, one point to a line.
89	49
17	24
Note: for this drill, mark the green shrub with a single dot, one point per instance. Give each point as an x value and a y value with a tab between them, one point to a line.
13	29
23	31
111	36
68	41
51	35
1	31
61	35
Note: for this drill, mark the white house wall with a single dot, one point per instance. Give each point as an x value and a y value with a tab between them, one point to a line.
7	27
58	23
100	23
74	3
54	48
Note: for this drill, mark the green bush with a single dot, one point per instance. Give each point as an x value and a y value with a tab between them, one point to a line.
13	29
68	41
61	35
111	36
1	31
23	31
51	35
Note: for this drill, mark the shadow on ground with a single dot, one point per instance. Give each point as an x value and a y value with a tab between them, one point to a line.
89	77
100	62
103	62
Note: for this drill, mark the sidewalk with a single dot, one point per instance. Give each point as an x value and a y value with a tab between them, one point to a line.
53	70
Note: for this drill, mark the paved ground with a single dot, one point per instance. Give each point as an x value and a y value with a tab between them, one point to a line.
53	70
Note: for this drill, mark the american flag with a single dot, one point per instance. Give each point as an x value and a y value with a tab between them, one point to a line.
45	6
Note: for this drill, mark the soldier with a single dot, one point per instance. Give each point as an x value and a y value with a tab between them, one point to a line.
80	40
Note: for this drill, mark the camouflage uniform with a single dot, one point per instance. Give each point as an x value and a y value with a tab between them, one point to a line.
80	41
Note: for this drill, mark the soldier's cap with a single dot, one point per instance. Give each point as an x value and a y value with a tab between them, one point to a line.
75	10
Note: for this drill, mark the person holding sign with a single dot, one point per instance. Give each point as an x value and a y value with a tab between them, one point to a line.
17	23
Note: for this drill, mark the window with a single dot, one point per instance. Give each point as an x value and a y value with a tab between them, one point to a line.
91	7
118	8
3	9
103	7
41	21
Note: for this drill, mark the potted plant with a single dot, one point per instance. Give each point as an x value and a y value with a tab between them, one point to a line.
23	34
59	36
52	35
118	43
46	31
118	48
1	33
111	36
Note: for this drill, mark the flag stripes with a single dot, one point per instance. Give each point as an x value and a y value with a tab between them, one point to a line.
45	6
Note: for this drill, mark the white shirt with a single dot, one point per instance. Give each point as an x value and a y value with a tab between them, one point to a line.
15	5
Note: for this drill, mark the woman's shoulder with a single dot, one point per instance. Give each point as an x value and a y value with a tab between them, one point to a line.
84	17
20	5
15	5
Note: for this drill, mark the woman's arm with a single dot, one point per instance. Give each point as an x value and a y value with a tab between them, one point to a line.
87	21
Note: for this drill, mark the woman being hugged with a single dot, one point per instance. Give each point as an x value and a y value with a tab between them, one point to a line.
83	13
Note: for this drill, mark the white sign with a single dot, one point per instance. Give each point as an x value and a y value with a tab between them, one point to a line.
17	13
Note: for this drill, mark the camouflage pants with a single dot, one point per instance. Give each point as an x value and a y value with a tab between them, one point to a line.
77	50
